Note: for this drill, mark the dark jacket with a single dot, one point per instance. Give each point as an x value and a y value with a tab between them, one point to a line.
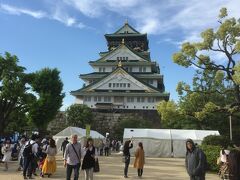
89	160
126	150
195	161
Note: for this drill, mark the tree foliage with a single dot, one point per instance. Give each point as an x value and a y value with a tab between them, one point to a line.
14	98
47	86
225	40
214	93
79	115
130	122
27	98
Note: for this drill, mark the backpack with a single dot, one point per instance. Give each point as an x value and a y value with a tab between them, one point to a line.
27	151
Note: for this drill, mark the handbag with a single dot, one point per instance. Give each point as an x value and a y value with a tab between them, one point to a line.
96	166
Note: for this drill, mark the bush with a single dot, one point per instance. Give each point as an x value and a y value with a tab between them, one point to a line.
214	140
212	152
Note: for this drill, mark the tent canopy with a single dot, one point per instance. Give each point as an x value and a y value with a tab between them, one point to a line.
81	133
165	142
67	132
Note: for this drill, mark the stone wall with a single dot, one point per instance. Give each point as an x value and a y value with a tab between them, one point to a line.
58	124
105	120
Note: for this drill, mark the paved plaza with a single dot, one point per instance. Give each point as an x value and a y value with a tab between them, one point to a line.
112	168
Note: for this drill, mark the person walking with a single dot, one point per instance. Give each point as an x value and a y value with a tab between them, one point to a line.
195	161
20	154
127	145
30	157
72	158
64	144
234	165
6	151
139	159
49	165
89	159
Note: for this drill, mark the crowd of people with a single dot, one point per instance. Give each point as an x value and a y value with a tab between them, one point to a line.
36	153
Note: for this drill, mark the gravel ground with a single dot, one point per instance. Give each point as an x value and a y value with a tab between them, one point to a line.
112	168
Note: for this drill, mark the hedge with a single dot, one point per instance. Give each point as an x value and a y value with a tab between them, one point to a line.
212	153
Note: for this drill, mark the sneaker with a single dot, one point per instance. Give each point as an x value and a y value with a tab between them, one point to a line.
25	177
125	176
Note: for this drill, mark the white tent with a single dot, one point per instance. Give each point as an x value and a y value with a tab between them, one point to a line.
67	132
179	137
165	142
156	142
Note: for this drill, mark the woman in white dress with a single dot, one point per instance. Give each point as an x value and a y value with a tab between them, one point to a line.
7	152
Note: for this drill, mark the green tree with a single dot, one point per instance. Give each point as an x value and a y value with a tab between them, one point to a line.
14	97
215	93
172	116
47	86
79	115
224	40
130	122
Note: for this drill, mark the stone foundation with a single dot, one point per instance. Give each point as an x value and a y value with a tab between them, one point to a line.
105	120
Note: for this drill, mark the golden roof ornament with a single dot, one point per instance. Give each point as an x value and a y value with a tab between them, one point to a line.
120	64
123	41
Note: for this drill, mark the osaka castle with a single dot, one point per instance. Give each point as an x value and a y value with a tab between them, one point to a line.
124	76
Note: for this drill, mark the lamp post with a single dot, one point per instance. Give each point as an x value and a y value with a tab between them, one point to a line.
230	126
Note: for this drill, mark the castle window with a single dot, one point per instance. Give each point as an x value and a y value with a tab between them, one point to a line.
117	58
150	99
128	84
144	69
107	99
130	99
124	85
99	98
120	58
95	98
113	84
104	69
100	69
126	58
109	84
138	99
89	98
117	85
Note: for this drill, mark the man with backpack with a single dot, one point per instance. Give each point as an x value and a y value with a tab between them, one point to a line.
195	161
29	154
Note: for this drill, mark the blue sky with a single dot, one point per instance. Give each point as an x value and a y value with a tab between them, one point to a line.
67	34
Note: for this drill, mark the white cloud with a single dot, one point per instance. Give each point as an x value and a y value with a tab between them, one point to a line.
57	14
18	11
63	17
159	16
